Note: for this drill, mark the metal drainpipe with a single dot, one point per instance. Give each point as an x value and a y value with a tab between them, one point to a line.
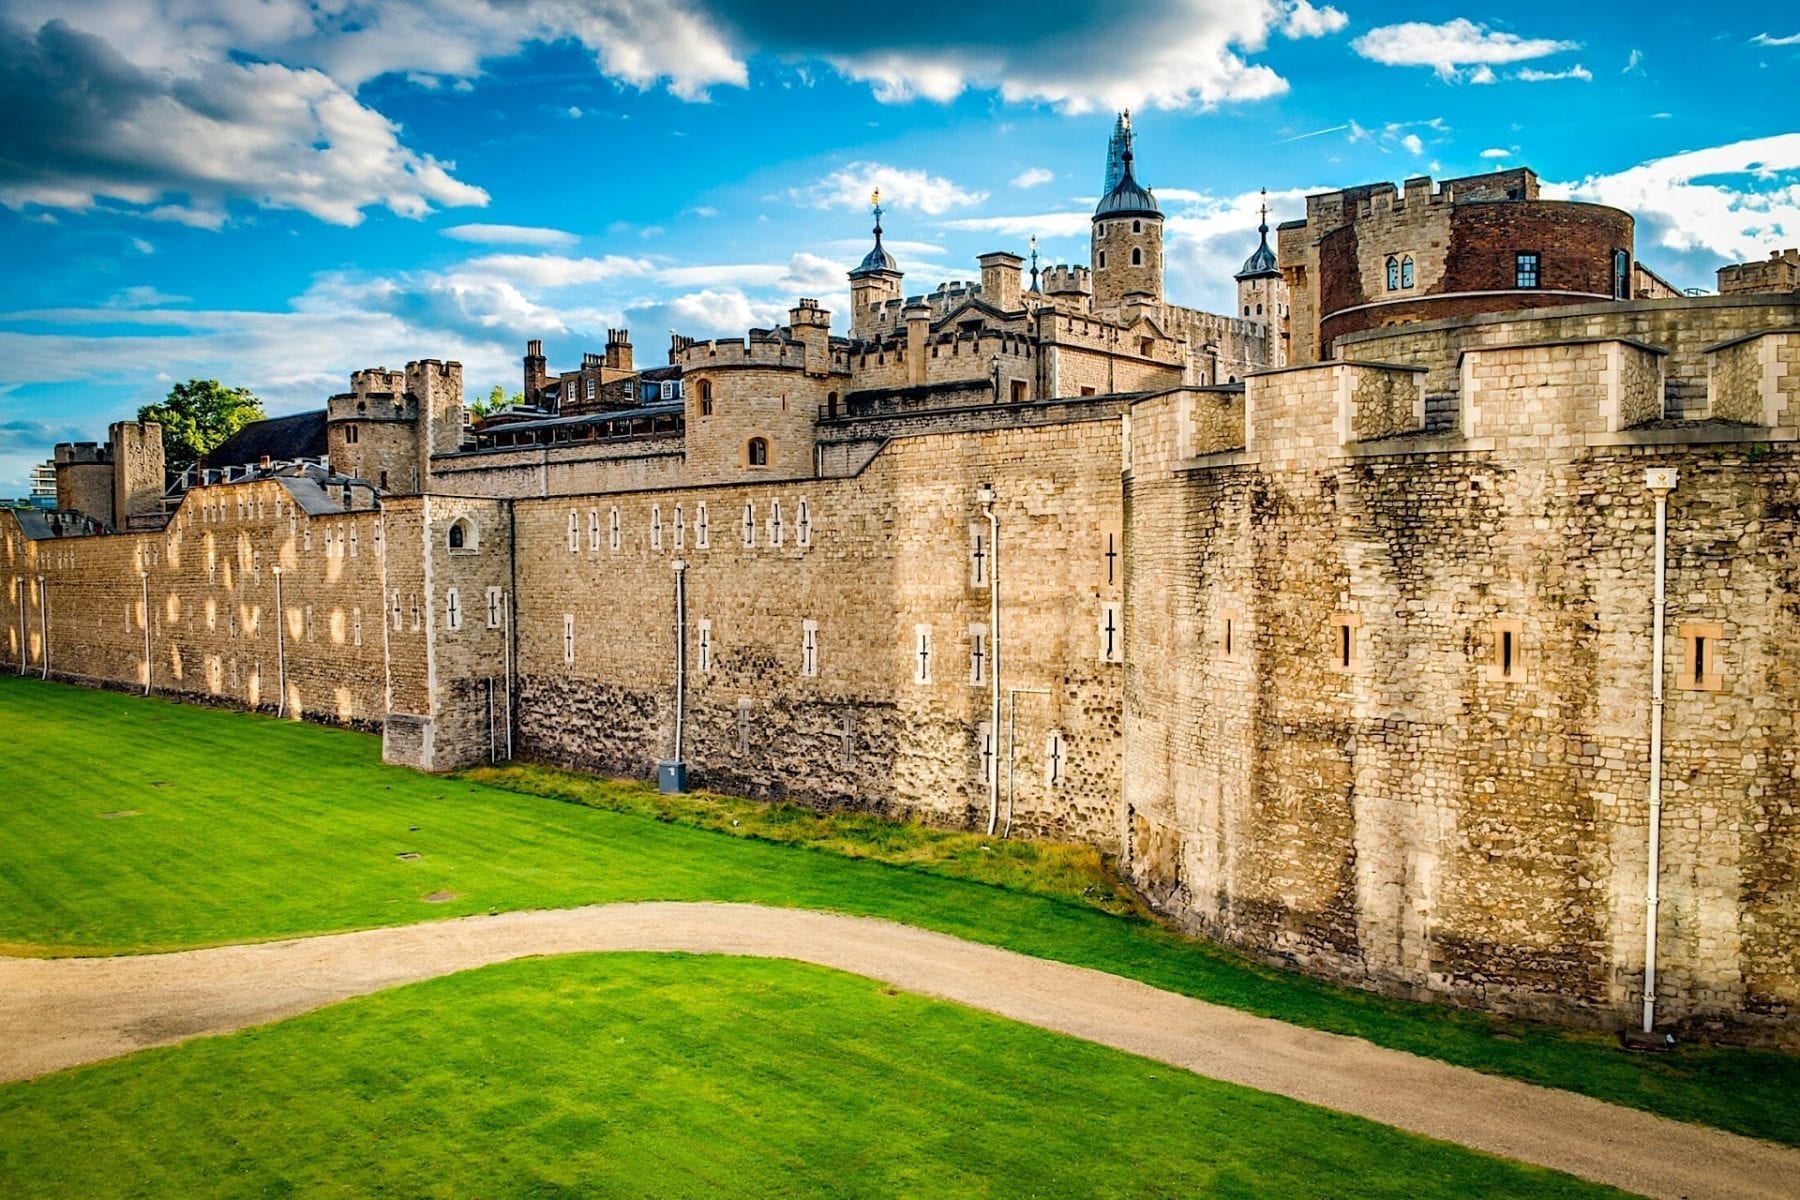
1661	481
680	653
986	496
24	634
281	646
144	577
44	622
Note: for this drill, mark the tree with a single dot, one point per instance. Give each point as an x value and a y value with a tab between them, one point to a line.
497	399
197	416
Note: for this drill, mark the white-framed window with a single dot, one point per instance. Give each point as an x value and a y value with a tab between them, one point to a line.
574	534
397	615
569	638
921	654
809	648
493	608
749	524
306	538
680	530
592	385
416	619
667	391
803	524
700	530
656	527
353	542
1111	630
775	527
616	534
703	645
380	538
987	754
978	654
593	529
356	626
461	537
453	609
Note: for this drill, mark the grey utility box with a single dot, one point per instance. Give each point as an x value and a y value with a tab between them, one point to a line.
671	776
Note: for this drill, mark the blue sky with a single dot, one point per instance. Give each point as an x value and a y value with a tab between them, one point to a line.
277	192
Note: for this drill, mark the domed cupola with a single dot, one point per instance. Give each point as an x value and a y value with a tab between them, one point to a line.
1128	198
1261	264
1128	231
877	259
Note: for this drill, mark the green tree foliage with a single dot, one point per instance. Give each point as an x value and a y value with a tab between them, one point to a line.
497	399
198	415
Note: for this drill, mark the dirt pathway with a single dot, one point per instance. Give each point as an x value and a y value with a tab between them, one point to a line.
57	1013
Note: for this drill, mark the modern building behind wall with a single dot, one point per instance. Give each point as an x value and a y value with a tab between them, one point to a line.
1349	658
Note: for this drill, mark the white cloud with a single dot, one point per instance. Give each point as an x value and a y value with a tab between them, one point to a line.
1635	62
1305	21
1413	144
142	246
1727	203
1043	225
1763	39
555	270
726	312
1481	75
1529	75
1032	177
1496	152
850	187
1452	45
510	235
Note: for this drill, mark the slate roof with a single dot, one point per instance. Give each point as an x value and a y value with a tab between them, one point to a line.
281	439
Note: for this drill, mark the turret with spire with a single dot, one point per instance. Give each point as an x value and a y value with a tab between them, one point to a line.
1263	293
873	284
1128	229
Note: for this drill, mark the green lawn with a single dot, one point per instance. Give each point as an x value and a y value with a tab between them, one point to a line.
248	828
672	1076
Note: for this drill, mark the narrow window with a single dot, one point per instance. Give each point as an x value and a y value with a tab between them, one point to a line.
1228	634
353	546
706	398
775	526
1137	227
680	530
1343	640
809	648
1701	669
493	608
1406	272
978	655
568	637
1508	664
397	616
1055	755
703	646
921	654
593	529
453	609
574	534
978	554
803	525
350	435
1112	634
591	384
1018	391
749	524
989	754
701	532
356	625
1102	263
656	527
1393	274
756	454
616	534
1621	275
1137	255
1525	270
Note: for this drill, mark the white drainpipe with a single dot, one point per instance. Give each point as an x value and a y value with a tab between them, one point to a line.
987	497
44	622
680	654
1660	481
145	577
281	648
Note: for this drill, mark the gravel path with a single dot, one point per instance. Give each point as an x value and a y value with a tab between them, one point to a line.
57	1013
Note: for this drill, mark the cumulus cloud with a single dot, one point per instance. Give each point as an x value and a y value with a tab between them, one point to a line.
1531	75
1413	144
1305	21
1704	208
850	187
1032	177
85	123
1448	47
510	235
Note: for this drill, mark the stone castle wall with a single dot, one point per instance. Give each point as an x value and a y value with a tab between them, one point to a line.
1387	701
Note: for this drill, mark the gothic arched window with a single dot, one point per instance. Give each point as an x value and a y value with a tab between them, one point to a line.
1393	272
1137	257
1406	272
756	454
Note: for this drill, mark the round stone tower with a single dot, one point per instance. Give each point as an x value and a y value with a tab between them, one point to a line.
1128	233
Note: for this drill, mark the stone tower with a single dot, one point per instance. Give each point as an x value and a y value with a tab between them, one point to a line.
1263	294
1128	236
138	474
874	283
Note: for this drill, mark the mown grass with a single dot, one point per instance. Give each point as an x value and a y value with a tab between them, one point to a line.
672	1076
249	828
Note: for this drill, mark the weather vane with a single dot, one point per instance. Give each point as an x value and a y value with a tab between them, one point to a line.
1034	266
